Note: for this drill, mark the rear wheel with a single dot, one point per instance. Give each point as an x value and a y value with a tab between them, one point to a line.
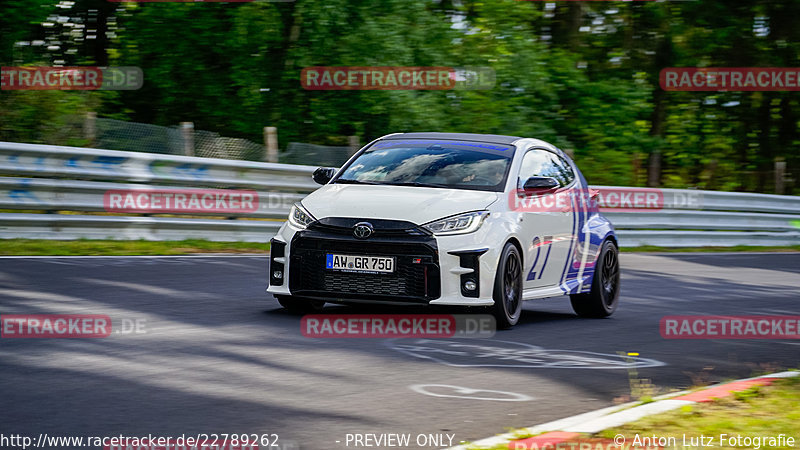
602	300
508	288
299	305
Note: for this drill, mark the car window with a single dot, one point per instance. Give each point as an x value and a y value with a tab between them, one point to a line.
541	163
434	163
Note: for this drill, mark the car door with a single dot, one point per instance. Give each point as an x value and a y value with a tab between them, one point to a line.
547	219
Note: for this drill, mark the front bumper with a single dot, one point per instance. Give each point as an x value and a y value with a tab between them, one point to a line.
429	269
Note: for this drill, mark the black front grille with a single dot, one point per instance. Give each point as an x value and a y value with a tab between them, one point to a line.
415	279
343	226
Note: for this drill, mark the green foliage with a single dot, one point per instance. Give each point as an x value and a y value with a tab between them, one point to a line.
583	75
48	117
748	394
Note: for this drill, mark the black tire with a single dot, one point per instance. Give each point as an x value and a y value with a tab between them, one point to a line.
508	288
299	305
602	300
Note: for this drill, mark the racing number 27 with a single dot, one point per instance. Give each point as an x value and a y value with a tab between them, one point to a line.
539	243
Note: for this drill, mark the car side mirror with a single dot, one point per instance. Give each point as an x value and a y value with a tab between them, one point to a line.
540	185
323	175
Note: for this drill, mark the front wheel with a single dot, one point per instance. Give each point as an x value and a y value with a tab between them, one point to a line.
508	288
299	305
602	300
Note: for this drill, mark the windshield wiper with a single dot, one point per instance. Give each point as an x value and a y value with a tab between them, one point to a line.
351	181
396	183
418	184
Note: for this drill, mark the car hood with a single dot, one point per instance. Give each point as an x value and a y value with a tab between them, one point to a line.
418	205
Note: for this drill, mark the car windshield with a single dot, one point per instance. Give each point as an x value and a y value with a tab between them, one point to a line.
432	163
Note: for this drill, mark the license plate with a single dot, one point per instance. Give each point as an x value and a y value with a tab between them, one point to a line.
357	263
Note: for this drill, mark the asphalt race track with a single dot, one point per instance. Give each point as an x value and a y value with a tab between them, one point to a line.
216	354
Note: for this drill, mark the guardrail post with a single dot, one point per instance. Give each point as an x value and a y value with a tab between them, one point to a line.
354	143
90	128
654	169
187	133
636	166
780	175
271	143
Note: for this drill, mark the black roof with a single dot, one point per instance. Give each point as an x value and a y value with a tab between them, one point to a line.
490	138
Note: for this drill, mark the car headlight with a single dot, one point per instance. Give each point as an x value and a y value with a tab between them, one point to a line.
458	224
299	217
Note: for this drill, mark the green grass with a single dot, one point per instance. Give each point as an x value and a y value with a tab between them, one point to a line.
761	411
765	411
86	247
737	248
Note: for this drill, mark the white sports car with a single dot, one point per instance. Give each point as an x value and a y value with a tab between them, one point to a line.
448	219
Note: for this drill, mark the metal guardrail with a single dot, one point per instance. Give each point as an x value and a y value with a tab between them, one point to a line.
45	194
683	199
71	227
702	220
32	160
58	179
669	238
